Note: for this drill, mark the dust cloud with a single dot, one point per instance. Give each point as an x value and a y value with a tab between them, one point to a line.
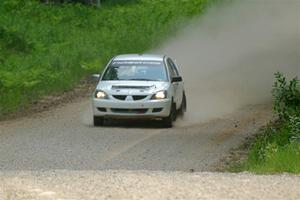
229	55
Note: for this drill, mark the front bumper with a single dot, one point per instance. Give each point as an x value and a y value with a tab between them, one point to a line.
131	109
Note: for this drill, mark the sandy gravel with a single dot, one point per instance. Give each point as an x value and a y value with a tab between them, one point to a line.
146	185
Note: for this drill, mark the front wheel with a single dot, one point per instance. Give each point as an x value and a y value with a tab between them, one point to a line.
98	121
183	105
168	121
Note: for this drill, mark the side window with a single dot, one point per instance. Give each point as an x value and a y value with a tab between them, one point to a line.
173	68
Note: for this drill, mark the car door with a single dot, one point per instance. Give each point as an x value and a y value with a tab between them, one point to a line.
178	86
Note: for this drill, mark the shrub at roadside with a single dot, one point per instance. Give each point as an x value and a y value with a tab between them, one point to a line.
278	148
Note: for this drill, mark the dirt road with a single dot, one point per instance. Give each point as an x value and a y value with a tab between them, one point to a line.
58	154
64	138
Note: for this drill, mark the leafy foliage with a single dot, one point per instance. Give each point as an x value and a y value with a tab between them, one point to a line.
12	41
91	2
287	97
294	126
287	103
49	48
277	149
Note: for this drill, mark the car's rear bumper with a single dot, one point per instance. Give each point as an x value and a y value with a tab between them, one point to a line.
131	109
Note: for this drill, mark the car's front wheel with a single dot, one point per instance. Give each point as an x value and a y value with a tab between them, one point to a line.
98	121
183	106
168	121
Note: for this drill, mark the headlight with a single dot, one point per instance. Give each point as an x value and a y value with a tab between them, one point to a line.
99	94
160	95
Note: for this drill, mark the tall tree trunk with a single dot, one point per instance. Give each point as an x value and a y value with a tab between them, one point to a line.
98	3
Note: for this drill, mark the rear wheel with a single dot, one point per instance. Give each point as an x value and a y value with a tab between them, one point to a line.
98	121
168	121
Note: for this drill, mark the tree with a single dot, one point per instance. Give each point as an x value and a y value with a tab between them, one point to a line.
98	3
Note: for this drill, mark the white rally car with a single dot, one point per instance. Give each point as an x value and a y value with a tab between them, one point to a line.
139	86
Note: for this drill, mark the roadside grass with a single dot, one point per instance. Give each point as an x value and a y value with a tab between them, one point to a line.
277	148
271	152
46	49
285	159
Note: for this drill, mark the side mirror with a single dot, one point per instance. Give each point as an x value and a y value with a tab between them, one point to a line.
176	79
96	77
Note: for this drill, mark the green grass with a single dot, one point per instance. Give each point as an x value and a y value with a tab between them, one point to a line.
285	159
272	152
50	48
277	148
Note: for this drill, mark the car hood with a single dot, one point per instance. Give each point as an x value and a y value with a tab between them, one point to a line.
132	87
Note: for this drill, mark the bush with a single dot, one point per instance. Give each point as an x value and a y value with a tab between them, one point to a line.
13	42
286	96
287	103
277	149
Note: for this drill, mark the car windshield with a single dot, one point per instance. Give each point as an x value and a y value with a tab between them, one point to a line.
136	71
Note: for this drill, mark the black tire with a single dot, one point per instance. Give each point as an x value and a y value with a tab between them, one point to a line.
98	121
168	121
183	106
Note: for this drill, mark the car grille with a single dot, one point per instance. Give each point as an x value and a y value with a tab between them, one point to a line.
129	111
155	110
139	97
134	97
120	97
102	109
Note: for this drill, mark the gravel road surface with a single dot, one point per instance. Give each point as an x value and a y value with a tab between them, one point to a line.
58	154
92	185
64	138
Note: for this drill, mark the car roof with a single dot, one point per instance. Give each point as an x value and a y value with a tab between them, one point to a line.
151	57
